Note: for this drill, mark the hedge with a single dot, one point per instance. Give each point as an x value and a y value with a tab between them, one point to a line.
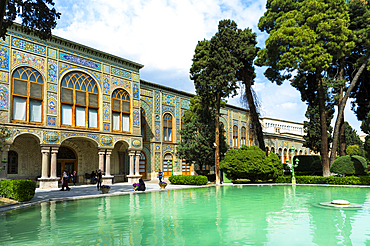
349	180
20	190
188	179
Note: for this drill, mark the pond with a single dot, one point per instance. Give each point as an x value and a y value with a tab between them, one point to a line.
223	215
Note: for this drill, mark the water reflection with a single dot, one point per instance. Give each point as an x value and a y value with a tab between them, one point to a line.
257	215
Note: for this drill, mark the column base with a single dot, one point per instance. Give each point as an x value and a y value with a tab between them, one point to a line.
48	183
133	178
107	180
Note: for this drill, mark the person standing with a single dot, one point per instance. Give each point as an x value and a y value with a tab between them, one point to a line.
92	179
98	177
65	182
74	178
160	175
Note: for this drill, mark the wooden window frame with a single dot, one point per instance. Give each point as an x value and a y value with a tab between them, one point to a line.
86	83
235	137
124	97
28	97
167	124
244	135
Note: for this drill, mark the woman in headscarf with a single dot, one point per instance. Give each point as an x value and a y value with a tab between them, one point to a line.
141	185
64	181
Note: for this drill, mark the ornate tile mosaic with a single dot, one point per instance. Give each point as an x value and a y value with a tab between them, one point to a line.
235	123
52	87
178	136
6	41
243	124
169	109
106	98
157	131
106	85
145	92
80	61
135	77
3	116
52	71
243	117
106	127
52	103
23	58
178	108
65	135
136	116
4	77
28	46
122	83
4	96
157	105
185	104
136	103
148	111
51	121
135	90
230	131
97	75
52	53
148	100
120	72
4	58
157	161
106	112
105	68
168	100
63	67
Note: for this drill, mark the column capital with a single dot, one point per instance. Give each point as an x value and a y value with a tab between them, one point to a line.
132	152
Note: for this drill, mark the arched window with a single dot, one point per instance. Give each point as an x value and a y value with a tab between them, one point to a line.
80	101
143	124
244	135
272	150
235	137
12	162
121	110
27	94
251	137
167	128
167	165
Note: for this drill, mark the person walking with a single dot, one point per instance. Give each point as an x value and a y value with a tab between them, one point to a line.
65	182
74	178
160	175
98	179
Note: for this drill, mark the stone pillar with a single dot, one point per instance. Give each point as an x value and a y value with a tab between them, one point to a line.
53	171
45	162
137	163
107	164
131	154
101	159
4	156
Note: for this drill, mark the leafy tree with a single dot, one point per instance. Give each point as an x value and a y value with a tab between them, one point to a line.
36	16
349	165
198	135
306	38
214	73
251	163
353	150
352	138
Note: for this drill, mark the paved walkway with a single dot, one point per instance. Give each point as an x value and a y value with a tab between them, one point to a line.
87	191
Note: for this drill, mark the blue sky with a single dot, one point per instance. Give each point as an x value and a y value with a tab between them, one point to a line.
162	35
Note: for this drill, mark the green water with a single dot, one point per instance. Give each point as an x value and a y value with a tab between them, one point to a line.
229	215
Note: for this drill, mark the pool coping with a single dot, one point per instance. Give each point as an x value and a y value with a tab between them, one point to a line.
128	190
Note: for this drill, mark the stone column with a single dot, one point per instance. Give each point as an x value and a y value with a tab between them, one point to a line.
107	164
53	171
101	159
45	162
131	154
137	163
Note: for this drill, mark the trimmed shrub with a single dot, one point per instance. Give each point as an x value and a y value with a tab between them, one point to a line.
306	161
188	179
251	163
348	165
20	190
350	180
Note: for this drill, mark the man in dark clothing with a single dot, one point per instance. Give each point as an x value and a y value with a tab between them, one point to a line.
141	185
98	179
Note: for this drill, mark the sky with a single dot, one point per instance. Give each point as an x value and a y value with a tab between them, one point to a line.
162	36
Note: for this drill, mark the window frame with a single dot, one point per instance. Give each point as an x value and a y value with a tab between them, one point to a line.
166	127
124	96
235	137
28	98
243	135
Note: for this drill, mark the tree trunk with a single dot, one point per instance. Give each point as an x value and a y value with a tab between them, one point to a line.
254	115
217	141
342	136
324	131
2	14
341	107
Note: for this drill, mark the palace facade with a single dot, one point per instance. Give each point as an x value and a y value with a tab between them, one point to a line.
71	107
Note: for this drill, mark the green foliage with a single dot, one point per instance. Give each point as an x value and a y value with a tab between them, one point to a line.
188	179
36	16
348	165
251	163
351	180
20	190
305	162
353	150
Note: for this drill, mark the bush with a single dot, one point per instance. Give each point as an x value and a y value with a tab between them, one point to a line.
20	190
348	165
251	163
306	161
188	179
351	180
